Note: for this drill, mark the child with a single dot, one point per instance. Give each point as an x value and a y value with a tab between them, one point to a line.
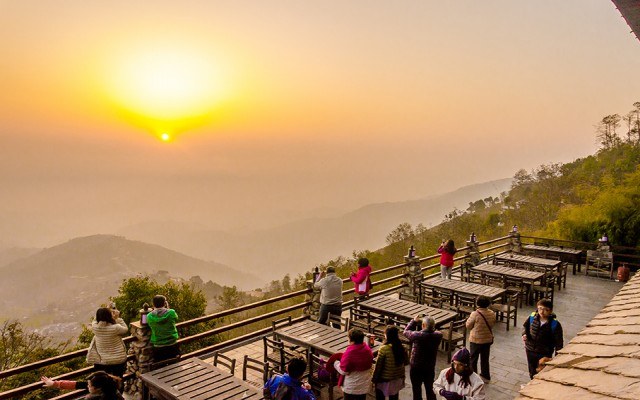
289	386
164	335
542	335
101	386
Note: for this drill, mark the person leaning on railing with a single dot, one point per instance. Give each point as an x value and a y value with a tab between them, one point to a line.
164	335
107	351
330	286
101	386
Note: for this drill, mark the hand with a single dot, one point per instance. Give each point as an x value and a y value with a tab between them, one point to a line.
115	313
450	395
48	382
166	304
306	385
418	318
524	338
323	274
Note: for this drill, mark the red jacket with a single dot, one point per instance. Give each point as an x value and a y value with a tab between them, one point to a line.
362	277
446	258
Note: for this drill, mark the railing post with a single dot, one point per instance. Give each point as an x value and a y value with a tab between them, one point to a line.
140	347
515	244
412	275
313	295
473	252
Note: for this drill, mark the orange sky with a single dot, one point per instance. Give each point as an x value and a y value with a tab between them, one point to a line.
309	105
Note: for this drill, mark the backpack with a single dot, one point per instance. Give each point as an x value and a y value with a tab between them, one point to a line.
283	392
554	322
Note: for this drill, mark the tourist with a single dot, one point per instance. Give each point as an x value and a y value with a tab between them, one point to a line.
480	324
388	374
424	349
542	335
446	250
101	386
459	382
354	367
164	335
330	286
289	385
361	279
107	351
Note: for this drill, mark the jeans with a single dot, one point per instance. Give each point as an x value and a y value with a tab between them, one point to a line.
162	353
480	351
325	309
348	396
445	272
533	359
419	377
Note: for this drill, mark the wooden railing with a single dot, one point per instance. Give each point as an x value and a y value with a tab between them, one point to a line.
384	285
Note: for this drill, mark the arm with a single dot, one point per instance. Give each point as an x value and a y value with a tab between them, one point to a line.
174	315
360	276
67	385
525	330
440	249
121	327
471	320
320	284
408	330
377	371
440	382
558	339
477	391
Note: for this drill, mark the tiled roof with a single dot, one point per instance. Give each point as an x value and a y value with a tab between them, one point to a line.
602	361
630	10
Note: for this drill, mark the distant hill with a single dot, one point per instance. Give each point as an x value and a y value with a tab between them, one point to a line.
297	247
68	282
15	253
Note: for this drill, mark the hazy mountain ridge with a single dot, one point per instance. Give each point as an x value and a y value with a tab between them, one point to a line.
298	246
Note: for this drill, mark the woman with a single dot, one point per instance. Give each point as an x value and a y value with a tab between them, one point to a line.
108	329
354	367
388	375
480	324
446	250
361	279
459	382
101	386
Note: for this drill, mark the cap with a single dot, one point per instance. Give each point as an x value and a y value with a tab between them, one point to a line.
462	356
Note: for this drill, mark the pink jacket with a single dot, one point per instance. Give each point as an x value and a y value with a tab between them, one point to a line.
362	277
446	258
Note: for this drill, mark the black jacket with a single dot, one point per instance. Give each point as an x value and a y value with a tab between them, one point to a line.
543	339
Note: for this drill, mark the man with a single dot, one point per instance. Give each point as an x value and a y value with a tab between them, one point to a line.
542	335
424	349
164	335
289	386
331	294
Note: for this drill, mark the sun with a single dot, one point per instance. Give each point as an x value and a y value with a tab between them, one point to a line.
167	89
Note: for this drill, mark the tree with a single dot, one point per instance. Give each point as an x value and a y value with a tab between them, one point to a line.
402	233
230	298
606	131
286	283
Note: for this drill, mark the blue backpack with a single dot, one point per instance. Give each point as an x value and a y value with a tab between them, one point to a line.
554	322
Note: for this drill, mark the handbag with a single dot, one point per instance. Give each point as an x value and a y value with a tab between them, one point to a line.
488	326
93	357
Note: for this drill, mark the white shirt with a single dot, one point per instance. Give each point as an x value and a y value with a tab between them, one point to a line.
474	391
355	382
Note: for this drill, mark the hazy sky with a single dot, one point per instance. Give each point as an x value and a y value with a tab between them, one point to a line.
274	109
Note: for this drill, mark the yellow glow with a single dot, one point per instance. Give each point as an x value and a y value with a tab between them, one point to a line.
166	90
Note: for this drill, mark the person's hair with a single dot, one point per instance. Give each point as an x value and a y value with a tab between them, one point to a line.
450	247
296	367
159	301
107	384
331	270
464	376
483	302
428	323
356	336
363	262
393	338
104	314
545	303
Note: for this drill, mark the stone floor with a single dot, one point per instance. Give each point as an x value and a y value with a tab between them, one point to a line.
575	306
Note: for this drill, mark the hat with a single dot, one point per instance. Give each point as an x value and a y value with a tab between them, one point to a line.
330	270
462	356
331	361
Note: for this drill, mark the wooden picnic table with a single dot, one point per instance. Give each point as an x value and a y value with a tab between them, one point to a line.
535	261
462	287
528	277
195	379
566	254
320	339
406	310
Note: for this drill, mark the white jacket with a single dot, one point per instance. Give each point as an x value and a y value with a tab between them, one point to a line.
474	391
108	340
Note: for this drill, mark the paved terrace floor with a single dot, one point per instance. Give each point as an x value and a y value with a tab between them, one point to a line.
575	306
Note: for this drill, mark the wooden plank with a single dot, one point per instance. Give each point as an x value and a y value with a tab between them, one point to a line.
406	309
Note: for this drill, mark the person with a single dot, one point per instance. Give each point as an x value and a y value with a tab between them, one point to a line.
424	349
331	294
446	250
541	334
101	386
108	329
480	324
388	374
459	382
164	335
354	367
361	280
289	385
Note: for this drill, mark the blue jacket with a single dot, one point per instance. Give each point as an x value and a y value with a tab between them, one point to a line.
299	393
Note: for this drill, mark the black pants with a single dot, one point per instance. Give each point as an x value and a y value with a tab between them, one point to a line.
380	395
533	359
112	369
325	309
480	351
348	396
422	376
162	353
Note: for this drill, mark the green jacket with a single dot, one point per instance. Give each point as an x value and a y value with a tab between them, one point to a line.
162	322
386	368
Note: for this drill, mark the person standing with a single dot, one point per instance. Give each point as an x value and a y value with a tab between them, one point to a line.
480	324
542	335
459	382
164	335
424	349
330	286
446	250
108	329
388	374
355	367
361	279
